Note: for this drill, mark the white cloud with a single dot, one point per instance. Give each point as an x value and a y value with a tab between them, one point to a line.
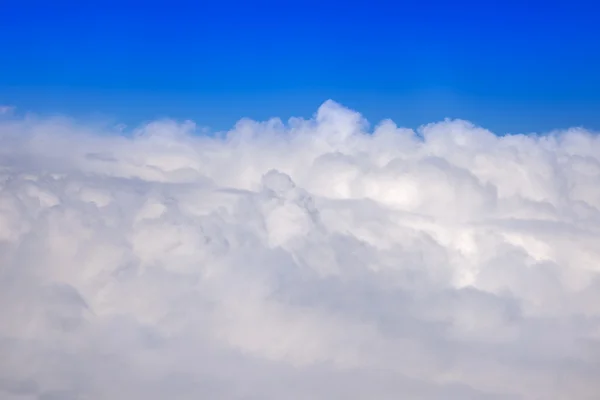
304	260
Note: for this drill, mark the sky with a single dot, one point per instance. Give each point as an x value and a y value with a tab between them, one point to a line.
510	66
398	237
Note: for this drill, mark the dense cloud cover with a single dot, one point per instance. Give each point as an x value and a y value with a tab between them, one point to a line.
315	259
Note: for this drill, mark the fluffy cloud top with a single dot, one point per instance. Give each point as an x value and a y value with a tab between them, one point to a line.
309	260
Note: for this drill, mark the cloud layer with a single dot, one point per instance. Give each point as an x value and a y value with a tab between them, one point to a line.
315	259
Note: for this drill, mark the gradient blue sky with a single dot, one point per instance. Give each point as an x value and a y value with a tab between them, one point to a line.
511	66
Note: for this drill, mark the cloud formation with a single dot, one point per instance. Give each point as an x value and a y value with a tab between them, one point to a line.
5	110
316	259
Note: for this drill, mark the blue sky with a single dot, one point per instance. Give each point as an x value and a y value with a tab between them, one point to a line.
511	66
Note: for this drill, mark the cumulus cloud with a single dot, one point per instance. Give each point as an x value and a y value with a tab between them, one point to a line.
313	259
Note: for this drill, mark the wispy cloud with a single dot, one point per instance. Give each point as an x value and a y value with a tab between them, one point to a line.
311	259
4	110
